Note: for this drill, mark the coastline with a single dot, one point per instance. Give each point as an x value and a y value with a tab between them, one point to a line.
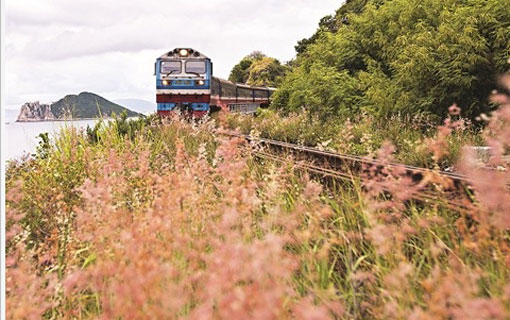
23	135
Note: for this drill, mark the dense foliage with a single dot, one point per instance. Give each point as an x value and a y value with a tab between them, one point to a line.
405	56
87	105
331	23
259	70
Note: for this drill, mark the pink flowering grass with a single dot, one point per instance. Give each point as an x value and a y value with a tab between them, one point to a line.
176	222
204	237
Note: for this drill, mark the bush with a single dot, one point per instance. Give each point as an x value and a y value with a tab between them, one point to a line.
404	56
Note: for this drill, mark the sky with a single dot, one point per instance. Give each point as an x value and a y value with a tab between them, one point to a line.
59	47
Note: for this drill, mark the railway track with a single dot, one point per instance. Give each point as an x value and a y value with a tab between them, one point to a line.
449	189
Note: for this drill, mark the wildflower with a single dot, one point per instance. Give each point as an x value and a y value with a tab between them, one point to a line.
454	110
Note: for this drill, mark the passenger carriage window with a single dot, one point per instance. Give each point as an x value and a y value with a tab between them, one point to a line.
245	93
195	67
228	90
260	94
168	67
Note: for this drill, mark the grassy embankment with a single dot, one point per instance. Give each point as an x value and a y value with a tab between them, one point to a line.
412	137
146	220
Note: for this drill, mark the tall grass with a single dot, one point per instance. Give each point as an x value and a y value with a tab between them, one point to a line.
362	135
168	220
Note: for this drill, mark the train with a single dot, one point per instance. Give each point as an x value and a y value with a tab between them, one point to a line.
185	84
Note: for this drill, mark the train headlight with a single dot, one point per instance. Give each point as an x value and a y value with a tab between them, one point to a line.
165	82
201	82
183	52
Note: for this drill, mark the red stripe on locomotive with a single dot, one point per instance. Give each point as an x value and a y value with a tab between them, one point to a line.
178	98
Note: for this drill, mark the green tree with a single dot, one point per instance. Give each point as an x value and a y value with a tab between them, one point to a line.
331	23
258	69
266	72
241	71
405	56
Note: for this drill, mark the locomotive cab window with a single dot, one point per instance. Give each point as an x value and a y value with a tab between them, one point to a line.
168	67
195	67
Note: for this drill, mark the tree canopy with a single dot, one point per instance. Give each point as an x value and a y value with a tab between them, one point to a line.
259	70
331	23
402	56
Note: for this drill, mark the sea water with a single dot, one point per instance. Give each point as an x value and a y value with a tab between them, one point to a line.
21	138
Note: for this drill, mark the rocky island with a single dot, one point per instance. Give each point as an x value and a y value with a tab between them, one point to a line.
34	111
86	105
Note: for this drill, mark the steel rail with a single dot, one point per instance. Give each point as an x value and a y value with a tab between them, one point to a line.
423	195
357	163
342	156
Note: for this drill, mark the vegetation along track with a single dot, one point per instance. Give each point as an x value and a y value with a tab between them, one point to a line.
450	189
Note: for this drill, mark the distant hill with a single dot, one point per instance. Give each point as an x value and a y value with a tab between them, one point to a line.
138	105
87	105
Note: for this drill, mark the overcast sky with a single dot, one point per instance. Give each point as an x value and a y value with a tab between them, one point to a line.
59	47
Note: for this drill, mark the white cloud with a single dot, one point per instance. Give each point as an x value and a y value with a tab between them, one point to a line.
58	47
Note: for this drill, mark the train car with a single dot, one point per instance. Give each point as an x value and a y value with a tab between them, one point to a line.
185	84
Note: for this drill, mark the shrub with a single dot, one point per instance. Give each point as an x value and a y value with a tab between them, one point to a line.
404	56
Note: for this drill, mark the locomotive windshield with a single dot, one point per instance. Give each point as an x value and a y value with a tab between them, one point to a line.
195	67
170	67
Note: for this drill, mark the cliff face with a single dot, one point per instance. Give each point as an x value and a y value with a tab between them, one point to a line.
34	111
